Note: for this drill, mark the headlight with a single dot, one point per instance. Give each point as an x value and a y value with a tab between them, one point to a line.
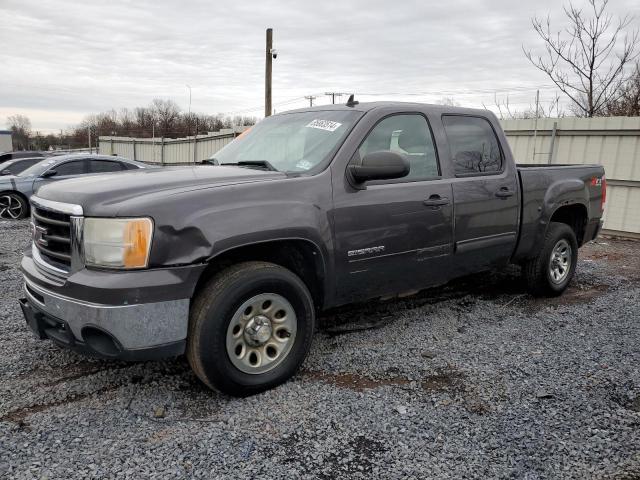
117	242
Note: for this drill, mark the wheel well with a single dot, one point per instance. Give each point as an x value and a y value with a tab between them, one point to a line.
573	215
19	194
300	256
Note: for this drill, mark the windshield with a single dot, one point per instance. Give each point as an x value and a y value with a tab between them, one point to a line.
294	142
37	169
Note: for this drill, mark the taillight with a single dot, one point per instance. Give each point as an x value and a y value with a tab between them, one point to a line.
604	194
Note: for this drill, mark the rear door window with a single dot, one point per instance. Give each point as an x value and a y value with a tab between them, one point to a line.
20	165
473	144
104	166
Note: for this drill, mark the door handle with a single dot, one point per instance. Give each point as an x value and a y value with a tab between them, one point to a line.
436	201
504	192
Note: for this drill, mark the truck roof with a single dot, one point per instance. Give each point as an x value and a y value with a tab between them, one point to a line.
367	106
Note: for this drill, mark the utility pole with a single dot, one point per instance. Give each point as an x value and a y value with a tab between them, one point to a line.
311	98
267	73
89	135
333	96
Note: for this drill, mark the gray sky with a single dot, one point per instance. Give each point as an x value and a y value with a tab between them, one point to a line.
61	60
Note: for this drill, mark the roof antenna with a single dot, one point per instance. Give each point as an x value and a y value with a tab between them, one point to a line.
351	102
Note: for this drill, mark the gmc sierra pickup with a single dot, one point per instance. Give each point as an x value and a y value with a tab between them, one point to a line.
310	209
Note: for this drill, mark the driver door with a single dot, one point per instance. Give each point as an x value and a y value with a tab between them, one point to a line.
393	235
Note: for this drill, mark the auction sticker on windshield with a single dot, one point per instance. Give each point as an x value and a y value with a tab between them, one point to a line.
327	125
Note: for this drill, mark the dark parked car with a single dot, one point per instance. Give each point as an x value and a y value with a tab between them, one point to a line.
309	210
14	167
15	190
7	156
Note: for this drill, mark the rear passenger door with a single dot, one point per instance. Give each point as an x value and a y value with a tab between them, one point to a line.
485	192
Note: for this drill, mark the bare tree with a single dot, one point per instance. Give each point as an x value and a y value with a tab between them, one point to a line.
166	113
551	109
20	126
585	60
628	103
448	102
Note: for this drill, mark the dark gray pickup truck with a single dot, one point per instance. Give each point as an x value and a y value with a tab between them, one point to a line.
308	210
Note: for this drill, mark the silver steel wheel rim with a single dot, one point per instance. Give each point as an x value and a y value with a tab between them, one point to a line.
10	207
560	261
261	333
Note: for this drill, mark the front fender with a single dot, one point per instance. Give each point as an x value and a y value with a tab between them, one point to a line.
207	233
196	226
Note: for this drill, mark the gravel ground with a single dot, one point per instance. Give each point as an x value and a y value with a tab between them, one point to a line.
476	379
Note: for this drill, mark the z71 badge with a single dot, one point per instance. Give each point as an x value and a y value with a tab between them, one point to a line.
365	251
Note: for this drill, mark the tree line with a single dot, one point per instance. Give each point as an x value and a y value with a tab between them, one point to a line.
162	118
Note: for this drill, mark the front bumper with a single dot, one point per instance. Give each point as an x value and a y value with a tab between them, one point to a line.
129	316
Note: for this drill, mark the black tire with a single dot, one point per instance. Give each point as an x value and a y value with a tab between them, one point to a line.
537	271
213	309
13	206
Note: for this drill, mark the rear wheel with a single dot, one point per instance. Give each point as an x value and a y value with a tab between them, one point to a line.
551	271
12	206
250	328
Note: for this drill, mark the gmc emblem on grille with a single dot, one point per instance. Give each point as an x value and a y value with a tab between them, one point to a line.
39	234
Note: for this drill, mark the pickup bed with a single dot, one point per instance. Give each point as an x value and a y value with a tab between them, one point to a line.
308	210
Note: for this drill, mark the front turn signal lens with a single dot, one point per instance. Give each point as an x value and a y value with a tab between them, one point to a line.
117	242
137	240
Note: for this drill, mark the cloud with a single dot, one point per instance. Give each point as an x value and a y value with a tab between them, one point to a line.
63	59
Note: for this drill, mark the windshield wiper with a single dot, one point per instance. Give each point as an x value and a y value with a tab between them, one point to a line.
259	164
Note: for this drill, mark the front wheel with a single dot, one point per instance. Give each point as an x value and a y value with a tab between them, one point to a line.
551	271
12	206
250	328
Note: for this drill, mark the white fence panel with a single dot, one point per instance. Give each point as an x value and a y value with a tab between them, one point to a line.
169	151
613	142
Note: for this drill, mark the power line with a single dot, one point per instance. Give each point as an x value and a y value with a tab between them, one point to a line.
458	92
503	91
254	109
333	96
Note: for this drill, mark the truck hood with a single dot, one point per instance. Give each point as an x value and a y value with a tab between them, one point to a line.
111	189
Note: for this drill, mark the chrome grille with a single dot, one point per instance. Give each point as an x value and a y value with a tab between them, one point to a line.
52	235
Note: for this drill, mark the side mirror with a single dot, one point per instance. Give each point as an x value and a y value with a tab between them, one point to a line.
5	172
49	173
383	165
